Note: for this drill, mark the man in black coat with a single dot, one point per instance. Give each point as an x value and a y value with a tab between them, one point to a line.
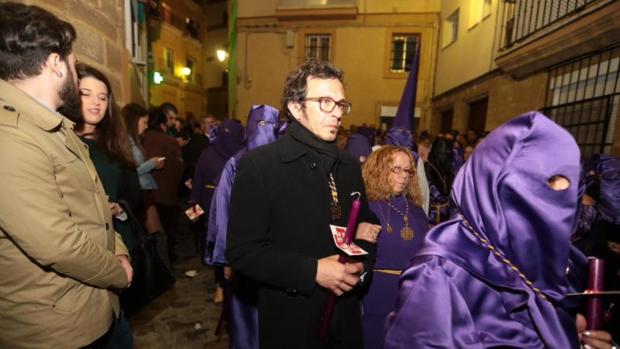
285	196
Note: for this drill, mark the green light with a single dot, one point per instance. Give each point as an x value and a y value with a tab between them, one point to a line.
157	78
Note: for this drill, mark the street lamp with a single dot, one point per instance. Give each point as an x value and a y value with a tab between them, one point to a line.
221	55
157	78
185	71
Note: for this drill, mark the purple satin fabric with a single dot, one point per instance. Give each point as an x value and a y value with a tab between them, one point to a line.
262	128
608	169
358	146
439	209
401	131
400	137
367	132
406	107
229	138
212	160
457	293
392	253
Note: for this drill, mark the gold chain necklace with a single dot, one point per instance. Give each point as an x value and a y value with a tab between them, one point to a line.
335	207
505	260
406	233
388	227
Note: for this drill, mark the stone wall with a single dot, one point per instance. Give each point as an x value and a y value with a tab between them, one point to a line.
101	37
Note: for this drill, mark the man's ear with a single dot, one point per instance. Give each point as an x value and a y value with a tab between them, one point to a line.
54	64
295	109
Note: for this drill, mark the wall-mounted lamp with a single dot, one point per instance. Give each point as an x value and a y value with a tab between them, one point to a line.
221	55
185	71
157	78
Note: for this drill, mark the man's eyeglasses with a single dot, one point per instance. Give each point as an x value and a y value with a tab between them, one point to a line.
328	104
399	171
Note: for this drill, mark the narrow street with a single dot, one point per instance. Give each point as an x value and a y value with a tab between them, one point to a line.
185	316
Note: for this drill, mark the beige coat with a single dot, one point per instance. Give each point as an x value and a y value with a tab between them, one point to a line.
57	243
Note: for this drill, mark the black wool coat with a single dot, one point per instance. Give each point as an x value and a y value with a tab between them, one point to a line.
279	228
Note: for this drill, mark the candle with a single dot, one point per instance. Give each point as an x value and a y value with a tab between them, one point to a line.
348	237
596	283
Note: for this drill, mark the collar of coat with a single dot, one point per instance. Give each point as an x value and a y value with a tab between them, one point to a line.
291	150
16	100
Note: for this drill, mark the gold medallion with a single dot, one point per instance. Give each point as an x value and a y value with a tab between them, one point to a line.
389	228
406	233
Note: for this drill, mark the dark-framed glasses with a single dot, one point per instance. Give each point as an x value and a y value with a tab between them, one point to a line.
399	171
328	104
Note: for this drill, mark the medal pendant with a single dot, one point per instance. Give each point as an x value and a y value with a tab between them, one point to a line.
389	228
406	233
336	213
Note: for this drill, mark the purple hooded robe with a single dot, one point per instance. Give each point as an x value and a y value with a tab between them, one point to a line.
261	129
466	287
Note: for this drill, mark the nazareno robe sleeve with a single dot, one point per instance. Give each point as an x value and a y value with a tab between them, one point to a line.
430	311
218	215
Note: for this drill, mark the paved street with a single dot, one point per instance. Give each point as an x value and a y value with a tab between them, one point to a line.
185	316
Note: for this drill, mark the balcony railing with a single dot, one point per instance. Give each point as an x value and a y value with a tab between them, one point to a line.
522	18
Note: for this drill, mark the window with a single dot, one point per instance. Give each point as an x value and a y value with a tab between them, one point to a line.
402	52
318	47
486	8
583	96
451	28
478	10
169	60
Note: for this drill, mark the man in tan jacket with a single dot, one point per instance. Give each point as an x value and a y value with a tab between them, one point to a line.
60	260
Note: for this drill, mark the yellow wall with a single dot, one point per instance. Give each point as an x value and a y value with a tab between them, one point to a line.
358	48
471	55
186	96
398	6
253	8
265	8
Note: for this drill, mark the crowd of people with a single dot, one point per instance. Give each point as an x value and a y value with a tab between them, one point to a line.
460	240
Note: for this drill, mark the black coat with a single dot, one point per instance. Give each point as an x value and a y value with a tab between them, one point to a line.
279	228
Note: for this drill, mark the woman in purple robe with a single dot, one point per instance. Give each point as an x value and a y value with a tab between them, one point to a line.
496	275
212	160
261	129
394	196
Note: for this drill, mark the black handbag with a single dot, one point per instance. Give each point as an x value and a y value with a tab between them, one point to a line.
151	276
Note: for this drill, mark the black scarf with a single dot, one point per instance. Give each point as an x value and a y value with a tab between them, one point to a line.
326	152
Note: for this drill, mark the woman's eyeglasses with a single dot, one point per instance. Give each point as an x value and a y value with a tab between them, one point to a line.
399	171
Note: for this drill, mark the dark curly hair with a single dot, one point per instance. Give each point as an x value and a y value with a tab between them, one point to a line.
296	85
28	35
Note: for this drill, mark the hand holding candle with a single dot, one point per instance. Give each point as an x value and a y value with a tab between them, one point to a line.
331	300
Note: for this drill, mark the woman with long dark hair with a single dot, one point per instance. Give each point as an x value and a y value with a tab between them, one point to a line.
103	130
136	120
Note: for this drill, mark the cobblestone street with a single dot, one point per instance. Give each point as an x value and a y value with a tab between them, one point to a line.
185	316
